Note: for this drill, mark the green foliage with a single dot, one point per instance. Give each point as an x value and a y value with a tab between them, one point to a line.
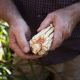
6	57
5	54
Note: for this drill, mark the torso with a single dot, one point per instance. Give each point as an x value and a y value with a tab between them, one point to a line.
34	11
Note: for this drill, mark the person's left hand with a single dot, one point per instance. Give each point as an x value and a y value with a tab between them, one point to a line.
64	21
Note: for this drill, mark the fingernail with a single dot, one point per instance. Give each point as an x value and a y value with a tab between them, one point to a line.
26	49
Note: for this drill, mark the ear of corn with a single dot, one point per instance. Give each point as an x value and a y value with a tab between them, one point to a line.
41	42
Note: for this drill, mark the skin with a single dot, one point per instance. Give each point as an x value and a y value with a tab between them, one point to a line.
64	21
19	30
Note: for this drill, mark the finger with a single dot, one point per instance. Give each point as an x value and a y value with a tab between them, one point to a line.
17	50
45	23
13	45
22	42
19	53
29	57
12	38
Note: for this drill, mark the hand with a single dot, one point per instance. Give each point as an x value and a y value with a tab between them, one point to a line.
64	21
19	36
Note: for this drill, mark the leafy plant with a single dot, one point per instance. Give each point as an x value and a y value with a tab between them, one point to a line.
5	54
6	57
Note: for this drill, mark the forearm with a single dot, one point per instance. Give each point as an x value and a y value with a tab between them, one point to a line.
8	11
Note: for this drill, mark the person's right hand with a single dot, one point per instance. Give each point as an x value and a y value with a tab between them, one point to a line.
19	35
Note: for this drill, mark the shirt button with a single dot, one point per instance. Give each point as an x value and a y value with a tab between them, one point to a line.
38	16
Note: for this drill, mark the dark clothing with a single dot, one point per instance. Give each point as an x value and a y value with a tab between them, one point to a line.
34	11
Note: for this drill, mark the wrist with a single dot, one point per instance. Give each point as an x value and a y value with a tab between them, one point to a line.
74	10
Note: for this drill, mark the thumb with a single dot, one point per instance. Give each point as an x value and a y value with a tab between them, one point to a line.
46	22
22	42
